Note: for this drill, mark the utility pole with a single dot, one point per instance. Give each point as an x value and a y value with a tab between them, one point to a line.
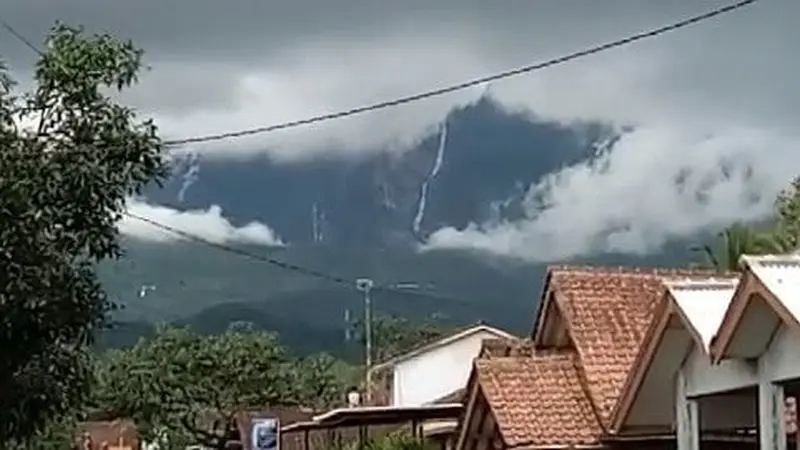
365	285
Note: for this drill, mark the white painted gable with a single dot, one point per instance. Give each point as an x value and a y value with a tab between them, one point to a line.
440	370
703	304
781	275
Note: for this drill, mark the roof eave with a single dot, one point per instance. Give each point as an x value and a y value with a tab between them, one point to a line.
440	343
641	365
544	300
733	315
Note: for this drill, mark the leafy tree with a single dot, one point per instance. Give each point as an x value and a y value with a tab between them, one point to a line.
394	335
787	212
195	385
69	157
56	434
322	381
733	242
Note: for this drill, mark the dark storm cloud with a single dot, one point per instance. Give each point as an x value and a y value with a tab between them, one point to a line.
231	64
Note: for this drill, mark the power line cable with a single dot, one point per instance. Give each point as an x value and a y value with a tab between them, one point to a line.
386	104
19	36
241	252
350	283
466	84
440	91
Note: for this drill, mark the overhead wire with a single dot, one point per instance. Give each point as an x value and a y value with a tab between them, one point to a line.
241	252
466	84
302	270
7	26
443	90
383	105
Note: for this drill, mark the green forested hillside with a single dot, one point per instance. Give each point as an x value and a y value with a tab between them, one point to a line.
208	289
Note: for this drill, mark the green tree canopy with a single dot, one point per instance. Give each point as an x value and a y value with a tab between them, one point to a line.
69	157
321	381
195	385
787	218
393	335
734	241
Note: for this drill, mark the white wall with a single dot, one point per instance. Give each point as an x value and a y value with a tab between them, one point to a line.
780	362
432	375
782	359
703	378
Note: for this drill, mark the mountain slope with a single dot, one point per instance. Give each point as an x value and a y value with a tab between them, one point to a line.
356	218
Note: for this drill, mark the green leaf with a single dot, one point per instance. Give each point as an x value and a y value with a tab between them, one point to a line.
63	185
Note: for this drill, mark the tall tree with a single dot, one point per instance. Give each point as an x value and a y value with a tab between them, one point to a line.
69	157
321	381
393	335
195	385
731	243
787	218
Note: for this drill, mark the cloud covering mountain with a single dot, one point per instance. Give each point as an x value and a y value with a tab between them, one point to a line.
711	111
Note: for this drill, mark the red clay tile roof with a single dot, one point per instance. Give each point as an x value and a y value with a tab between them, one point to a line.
492	348
608	312
539	400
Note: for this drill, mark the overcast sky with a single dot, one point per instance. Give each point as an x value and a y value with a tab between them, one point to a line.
726	89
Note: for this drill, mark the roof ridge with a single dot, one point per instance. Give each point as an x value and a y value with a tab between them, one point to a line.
584	384
534	356
697	284
446	338
637	271
518	389
771	259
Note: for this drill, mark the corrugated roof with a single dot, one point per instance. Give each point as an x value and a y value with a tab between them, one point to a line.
776	280
702	304
781	275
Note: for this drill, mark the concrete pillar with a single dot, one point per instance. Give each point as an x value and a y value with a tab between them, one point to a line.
771	414
687	417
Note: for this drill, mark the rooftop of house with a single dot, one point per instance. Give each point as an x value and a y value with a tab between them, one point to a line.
607	312
771	281
702	304
591	325
457	335
112	432
539	399
780	274
695	305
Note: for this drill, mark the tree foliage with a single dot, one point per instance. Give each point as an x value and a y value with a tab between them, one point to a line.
781	235
734	241
195	385
321	381
787	218
58	433
394	335
69	157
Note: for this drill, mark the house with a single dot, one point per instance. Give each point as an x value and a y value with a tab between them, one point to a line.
561	389
754	351
119	434
435	372
419	390
239	429
355	426
681	336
